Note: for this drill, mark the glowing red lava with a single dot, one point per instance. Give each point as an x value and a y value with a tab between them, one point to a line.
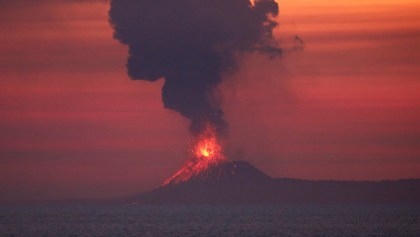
208	146
207	151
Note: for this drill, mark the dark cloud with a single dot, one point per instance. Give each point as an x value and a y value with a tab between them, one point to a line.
191	43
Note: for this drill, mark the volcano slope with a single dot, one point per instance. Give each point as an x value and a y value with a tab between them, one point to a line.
238	182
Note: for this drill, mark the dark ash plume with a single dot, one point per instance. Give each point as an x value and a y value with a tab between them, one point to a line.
191	43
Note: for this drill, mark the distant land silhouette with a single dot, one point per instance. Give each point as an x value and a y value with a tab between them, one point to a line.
238	182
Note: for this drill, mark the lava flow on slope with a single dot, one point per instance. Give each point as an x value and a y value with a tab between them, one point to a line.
206	152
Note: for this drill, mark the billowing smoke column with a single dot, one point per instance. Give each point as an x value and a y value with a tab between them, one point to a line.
191	43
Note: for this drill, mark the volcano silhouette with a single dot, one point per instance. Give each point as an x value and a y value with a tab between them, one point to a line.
225	182
238	182
222	172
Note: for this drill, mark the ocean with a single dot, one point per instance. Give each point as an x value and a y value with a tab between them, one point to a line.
211	220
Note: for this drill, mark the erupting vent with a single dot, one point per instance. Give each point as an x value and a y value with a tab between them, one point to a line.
207	152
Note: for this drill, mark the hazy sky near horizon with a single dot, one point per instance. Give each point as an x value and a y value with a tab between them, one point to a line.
72	123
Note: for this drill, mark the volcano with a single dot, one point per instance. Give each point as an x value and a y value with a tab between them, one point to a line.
238	182
222	182
221	172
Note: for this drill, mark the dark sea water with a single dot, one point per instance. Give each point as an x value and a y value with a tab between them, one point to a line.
219	220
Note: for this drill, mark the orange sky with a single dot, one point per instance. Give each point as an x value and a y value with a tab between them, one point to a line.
74	125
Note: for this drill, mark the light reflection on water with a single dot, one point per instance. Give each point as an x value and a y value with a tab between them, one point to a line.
212	220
